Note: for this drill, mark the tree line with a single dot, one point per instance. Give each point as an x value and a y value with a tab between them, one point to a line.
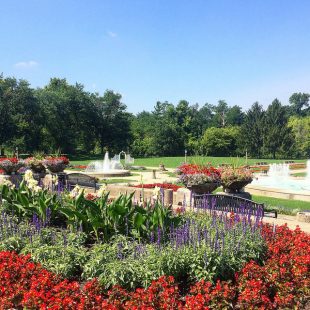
65	117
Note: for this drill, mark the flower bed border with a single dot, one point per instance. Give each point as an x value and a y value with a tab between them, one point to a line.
282	282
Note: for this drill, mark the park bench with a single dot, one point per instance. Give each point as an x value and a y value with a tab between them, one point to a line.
262	163
232	203
81	179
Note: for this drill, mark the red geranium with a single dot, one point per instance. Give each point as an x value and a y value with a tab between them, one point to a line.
161	185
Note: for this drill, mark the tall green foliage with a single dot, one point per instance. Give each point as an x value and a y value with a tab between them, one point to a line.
300	127
253	130
21	120
300	104
220	141
63	116
277	133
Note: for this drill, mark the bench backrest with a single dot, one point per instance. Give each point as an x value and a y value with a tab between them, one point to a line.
230	203
81	179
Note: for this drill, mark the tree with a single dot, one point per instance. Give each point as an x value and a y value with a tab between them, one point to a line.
300	104
142	129
21	121
221	111
253	130
220	141
234	116
300	127
278	135
114	122
6	121
70	117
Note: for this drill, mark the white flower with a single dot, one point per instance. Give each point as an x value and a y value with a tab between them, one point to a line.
55	180
77	190
9	184
32	184
37	189
102	190
28	175
156	192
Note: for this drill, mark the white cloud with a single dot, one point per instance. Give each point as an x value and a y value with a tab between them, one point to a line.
26	64
111	34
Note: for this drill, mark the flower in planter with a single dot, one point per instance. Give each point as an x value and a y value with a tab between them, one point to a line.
194	174
174	187
11	164
234	178
56	164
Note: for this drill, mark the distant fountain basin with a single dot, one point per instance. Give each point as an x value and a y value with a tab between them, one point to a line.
106	168
279	183
279	177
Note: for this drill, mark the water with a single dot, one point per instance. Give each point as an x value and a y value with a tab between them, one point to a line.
279	177
106	165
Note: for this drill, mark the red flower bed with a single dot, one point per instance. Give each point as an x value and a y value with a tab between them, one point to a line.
161	185
199	169
79	166
283	282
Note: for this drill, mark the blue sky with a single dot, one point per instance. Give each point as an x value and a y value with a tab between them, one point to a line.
149	50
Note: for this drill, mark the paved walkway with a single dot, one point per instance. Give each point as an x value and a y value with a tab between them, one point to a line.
290	220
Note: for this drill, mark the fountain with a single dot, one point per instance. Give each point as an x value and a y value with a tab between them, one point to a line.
279	177
107	167
279	171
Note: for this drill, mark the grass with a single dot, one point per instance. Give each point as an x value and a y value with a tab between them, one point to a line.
299	174
173	162
284	206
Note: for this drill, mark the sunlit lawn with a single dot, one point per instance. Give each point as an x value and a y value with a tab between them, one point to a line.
173	162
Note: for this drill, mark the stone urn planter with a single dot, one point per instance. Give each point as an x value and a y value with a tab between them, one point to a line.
235	186
56	169
201	189
56	164
38	171
37	167
11	165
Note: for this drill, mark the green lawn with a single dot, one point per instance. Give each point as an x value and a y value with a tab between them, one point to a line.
284	206
299	174
173	162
